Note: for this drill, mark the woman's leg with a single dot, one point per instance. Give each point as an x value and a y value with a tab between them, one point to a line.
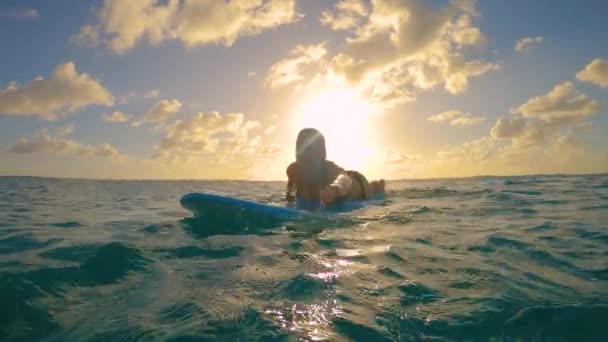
360	188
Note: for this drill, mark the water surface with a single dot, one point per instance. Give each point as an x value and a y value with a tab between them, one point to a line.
483	258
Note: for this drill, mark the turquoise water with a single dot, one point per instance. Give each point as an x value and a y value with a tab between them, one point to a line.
501	258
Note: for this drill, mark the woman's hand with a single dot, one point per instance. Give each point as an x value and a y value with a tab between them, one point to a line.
330	193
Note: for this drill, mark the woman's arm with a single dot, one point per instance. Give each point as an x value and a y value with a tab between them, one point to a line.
290	194
339	187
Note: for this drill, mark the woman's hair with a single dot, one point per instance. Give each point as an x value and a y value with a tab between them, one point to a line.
310	143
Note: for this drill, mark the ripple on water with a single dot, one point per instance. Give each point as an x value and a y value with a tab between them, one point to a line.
305	287
594	207
20	318
185	252
109	264
181	312
23	242
497	240
389	272
358	332
559	323
67	224
542	227
250	325
416	293
77	253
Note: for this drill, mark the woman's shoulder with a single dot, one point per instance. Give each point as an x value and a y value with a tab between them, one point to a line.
333	166
292	169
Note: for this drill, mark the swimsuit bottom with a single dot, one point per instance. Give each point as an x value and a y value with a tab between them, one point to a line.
361	180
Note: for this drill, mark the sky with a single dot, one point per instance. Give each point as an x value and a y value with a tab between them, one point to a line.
207	89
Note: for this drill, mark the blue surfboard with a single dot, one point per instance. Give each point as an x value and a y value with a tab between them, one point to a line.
202	204
219	208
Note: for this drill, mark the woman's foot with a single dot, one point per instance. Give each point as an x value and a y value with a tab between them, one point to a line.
377	186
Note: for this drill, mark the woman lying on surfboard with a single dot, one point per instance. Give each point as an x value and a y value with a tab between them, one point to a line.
312	178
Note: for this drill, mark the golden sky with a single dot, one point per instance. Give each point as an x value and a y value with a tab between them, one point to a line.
219	89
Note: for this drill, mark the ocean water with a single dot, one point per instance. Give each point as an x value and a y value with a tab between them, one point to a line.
488	258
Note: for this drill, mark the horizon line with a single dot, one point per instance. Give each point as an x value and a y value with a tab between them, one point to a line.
605	173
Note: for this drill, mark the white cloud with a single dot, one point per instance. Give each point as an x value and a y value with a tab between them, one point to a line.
508	127
160	113
152	93
65	130
302	63
467	120
347	14
270	129
456	118
527	43
163	111
220	139
541	125
478	150
44	142
394	156
116	116
465	34
65	91
20	14
251	73
124	99
562	104
396	49
203	22
207	132
445	116
121	24
595	72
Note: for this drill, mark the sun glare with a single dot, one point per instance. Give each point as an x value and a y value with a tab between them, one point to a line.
343	117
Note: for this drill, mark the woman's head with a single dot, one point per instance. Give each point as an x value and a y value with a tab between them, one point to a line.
310	145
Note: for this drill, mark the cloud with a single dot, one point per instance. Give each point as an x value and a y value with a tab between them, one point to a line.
347	14
456	118
547	134
395	50
207	132
545	120
65	91
160	113
301	64
124	99
122	24
116	116
270	129
44	142
218	139
525	44
152	93
394	156
467	120
251	74
562	104
465	34
20	14
477	151
445	116
203	22
508	127
65	130
595	72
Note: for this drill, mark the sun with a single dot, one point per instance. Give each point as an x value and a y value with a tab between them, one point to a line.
344	119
